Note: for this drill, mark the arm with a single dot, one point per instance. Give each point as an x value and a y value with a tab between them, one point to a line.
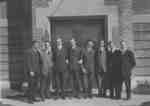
40	60
96	60
51	59
80	61
67	55
105	62
83	59
53	55
132	59
29	63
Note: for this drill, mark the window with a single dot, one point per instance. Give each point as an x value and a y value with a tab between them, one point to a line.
141	6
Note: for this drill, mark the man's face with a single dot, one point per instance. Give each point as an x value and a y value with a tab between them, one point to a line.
111	46
36	45
123	45
73	42
43	46
59	42
47	45
90	44
102	44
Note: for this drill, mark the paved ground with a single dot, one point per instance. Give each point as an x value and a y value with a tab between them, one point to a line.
137	100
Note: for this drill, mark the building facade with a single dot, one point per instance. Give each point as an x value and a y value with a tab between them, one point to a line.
22	21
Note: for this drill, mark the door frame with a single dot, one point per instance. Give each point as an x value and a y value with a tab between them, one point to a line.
53	19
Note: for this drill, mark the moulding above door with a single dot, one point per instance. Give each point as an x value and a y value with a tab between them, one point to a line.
40	3
111	2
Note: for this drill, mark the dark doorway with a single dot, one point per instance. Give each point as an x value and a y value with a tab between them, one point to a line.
82	28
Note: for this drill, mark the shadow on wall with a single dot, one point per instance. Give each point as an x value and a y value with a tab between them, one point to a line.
141	85
145	103
19	14
1	104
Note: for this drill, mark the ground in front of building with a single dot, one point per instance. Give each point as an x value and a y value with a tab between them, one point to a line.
137	100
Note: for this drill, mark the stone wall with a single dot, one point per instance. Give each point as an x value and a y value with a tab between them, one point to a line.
78	8
125	25
4	66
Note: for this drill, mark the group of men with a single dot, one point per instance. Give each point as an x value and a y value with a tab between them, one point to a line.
103	65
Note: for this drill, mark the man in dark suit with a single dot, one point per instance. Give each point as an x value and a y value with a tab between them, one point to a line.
101	69
61	61
109	65
88	58
46	71
115	71
33	65
75	67
128	63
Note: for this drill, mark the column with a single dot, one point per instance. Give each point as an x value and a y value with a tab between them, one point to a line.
125	14
39	21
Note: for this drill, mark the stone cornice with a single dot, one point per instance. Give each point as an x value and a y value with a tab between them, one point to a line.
111	2
40	3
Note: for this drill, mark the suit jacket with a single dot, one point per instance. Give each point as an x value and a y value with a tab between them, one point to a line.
116	62
47	63
88	60
128	63
101	61
109	60
60	57
33	62
74	56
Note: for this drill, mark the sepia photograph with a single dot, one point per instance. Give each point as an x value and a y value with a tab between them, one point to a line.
74	52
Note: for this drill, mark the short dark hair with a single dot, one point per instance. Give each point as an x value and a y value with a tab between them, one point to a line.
47	41
89	40
109	42
122	41
34	41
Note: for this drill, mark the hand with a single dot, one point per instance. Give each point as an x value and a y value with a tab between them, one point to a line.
67	61
80	62
32	73
25	84
84	70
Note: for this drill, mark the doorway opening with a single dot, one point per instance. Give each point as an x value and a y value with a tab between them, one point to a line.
82	28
